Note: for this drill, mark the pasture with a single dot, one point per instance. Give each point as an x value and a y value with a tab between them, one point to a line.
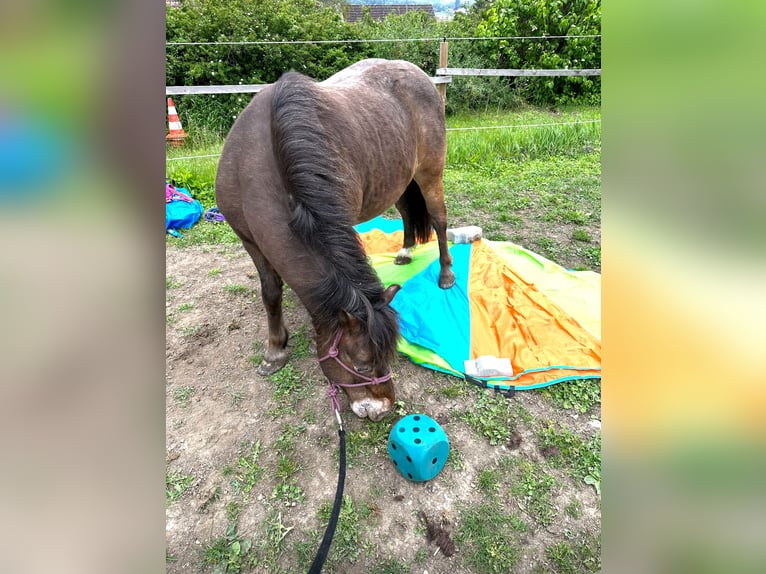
252	460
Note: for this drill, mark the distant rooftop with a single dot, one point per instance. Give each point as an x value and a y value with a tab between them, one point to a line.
378	12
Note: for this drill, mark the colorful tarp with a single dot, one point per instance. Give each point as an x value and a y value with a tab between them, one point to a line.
507	302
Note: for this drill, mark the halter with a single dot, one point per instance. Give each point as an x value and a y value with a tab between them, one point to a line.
334	388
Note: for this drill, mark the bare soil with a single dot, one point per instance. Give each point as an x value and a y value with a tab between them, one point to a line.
217	406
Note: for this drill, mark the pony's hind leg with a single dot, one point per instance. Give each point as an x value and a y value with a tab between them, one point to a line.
432	190
403	207
271	293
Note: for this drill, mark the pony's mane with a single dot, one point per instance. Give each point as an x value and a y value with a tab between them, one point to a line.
311	166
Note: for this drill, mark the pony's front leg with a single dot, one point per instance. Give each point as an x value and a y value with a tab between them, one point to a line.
271	294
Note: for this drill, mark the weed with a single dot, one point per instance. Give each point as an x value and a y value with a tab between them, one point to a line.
581	458
573	509
286	441
183	395
580	234
171	283
175	485
233	510
580	395
489	481
214	272
455	459
236	289
288	494
289	388
247	471
237	396
301	343
490	418
390	566
581	556
593	255
348	534
370	439
533	487
286	467
185	307
227	553
483	539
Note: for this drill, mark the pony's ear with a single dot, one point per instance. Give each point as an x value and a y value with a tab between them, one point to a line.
391	290
348	322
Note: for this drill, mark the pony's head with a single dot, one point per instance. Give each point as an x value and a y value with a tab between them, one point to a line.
357	357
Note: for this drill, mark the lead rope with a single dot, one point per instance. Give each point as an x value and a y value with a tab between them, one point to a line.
332	392
324	548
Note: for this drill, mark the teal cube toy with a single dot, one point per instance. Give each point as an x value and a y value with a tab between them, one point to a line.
418	446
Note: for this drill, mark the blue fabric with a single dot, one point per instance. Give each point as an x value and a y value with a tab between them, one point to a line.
428	312
182	214
385	225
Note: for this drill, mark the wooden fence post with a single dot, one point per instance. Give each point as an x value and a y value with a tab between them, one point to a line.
443	64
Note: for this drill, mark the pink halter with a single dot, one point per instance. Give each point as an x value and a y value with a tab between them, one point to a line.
334	388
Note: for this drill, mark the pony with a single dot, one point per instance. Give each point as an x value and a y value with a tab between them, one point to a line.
302	164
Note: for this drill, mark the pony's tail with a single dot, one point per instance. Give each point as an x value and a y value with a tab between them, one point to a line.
301	146
416	212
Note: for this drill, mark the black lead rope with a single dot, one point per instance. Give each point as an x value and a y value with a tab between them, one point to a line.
324	548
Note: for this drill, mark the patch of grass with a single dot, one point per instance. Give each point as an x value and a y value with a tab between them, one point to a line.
483	539
580	234
573	509
390	566
371	439
185	307
233	510
489	481
237	396
172	283
214	272
455	459
289	387
490	417
581	458
533	488
235	289
227	553
347	543
593	255
580	557
175	485
288	493
183	395
301	343
246	472
454	390
579	395
285	442
258	353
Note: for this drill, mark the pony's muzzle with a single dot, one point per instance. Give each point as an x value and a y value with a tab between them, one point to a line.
372	408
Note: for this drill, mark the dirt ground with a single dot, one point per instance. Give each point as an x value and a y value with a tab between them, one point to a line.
217	405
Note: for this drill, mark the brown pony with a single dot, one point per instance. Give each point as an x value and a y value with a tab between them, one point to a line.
303	163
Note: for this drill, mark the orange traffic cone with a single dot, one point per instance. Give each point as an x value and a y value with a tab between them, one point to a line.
177	135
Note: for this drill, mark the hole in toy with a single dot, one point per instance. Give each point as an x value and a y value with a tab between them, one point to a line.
393	446
433	461
431	429
416	417
409	459
408	474
418	441
401	429
415	429
395	463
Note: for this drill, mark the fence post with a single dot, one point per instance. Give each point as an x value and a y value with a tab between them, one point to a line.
443	64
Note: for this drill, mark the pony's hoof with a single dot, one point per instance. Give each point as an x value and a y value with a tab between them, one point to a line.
267	368
446	280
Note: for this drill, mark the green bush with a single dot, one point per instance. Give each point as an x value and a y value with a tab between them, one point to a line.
505	18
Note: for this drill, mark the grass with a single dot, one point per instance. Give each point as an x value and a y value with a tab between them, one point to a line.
491	417
175	485
290	387
579	395
228	553
488	539
183	395
581	458
247	471
532	488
